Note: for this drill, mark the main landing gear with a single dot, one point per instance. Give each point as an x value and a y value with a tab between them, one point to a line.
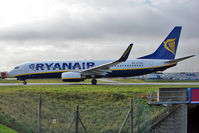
94	81
24	82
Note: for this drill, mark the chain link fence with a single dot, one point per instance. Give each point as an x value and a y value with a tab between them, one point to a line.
28	113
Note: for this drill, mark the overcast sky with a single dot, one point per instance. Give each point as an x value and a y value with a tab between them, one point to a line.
45	30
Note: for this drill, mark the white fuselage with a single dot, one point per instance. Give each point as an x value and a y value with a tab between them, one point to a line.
53	69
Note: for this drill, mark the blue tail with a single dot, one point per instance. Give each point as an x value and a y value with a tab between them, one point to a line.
168	48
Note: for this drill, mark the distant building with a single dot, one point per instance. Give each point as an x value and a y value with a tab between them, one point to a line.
170	76
154	76
175	76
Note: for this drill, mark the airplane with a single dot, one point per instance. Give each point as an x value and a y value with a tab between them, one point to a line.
76	71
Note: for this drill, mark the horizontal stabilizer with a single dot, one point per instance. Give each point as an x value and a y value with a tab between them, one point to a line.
180	59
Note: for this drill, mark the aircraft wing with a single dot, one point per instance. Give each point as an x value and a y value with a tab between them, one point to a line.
104	68
179	59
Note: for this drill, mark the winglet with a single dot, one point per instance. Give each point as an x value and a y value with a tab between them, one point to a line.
125	54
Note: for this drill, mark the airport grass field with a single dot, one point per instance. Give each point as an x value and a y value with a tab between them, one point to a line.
4	129
18	102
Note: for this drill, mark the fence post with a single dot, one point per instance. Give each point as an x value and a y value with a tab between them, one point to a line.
131	109
150	97
138	115
39	113
77	119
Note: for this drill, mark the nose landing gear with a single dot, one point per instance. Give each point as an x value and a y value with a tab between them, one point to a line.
93	81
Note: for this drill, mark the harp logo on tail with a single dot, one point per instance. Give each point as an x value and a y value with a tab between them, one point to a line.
169	44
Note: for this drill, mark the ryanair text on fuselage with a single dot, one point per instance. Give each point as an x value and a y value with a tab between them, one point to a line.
61	66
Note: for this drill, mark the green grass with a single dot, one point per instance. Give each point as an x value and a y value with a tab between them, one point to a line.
127	90
5	129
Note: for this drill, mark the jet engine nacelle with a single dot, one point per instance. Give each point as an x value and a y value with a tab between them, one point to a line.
71	77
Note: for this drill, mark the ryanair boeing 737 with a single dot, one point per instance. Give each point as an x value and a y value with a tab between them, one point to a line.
76	71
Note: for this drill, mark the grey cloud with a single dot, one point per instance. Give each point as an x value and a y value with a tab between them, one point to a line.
104	26
126	19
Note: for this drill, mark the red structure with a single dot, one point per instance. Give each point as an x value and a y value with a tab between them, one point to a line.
3	75
194	95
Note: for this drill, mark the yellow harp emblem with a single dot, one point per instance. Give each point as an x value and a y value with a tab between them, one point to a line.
169	44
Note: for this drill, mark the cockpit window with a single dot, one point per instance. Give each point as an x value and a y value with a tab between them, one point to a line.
17	67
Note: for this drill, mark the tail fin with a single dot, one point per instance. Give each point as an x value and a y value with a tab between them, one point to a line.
168	48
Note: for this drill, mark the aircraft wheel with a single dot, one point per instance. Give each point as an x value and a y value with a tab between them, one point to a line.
94	81
24	82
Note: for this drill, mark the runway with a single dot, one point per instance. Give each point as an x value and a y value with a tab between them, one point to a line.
117	83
